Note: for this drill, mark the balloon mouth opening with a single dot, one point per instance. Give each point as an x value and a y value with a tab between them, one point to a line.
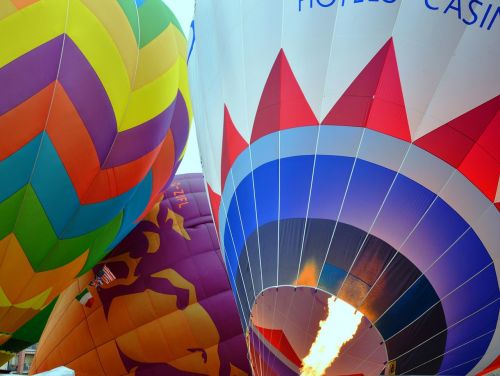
311	333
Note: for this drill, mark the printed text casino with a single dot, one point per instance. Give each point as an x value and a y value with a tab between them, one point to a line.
482	14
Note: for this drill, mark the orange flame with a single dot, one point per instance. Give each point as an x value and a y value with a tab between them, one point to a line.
308	275
336	330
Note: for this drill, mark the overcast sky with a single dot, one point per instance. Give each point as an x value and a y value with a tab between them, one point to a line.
183	9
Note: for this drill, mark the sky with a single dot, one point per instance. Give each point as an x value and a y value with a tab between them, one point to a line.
183	9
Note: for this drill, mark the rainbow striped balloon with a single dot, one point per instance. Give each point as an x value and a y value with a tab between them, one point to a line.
94	118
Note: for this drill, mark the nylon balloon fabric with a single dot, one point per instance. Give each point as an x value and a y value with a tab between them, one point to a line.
94	118
352	148
170	311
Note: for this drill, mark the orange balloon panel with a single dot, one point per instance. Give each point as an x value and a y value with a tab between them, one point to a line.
170	310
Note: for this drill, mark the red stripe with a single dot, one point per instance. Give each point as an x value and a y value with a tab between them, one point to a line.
32	114
77	152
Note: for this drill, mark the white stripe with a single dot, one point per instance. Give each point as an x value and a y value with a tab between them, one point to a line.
420	166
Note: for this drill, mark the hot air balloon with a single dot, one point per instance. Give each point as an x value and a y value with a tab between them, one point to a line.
94	117
352	154
170	310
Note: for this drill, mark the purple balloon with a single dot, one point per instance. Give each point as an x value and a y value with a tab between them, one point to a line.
174	247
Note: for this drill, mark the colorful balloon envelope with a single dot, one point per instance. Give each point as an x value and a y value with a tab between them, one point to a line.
170	310
352	149
94	117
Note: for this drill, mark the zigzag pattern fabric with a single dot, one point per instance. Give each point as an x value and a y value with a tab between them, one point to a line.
94	118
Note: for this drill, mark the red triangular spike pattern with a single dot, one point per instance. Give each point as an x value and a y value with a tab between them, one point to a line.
490	139
462	132
215	203
283	104
354	105
278	339
232	145
471	143
388	110
375	98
